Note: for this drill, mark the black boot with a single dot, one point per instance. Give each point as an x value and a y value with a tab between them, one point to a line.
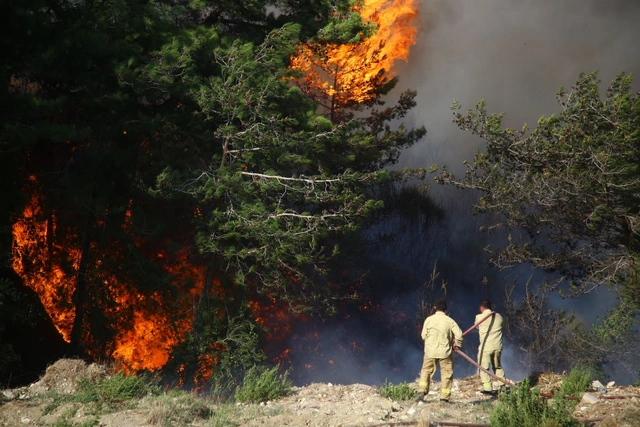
420	397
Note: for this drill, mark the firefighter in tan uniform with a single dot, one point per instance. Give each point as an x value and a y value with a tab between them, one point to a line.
490	350
441	335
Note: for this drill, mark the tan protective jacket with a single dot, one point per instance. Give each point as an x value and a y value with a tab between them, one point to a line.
438	333
490	332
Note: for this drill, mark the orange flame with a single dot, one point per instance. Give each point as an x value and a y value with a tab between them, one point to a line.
338	76
44	265
148	326
49	264
148	343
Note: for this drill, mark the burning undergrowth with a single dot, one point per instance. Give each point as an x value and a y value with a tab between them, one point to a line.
142	327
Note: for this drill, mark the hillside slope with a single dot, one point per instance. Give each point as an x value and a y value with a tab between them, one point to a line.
321	404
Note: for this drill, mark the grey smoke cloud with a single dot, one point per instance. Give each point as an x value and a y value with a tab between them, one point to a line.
515	54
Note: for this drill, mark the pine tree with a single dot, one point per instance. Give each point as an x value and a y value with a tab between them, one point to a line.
146	136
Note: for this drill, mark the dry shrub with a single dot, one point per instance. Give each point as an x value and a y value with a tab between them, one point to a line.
177	408
64	375
629	418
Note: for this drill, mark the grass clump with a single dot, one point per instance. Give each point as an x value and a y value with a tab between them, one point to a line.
67	419
224	415
398	392
262	384
113	391
177	408
55	402
524	407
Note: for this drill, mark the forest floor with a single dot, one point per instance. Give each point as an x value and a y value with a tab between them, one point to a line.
43	403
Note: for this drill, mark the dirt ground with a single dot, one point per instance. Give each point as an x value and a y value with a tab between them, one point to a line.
320	404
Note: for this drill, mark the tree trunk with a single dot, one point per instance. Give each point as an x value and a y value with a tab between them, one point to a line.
80	295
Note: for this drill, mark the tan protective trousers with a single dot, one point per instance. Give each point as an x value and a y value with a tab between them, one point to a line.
429	369
490	359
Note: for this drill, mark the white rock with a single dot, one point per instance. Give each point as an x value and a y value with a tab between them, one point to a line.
25	420
611	384
589	398
411	411
8	394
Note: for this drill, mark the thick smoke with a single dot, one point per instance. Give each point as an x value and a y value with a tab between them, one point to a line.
515	54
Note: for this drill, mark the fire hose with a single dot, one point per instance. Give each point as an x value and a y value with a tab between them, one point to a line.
509	382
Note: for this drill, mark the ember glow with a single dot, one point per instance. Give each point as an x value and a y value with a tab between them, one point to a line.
338	76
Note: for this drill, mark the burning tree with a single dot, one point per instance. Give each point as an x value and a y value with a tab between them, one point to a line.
171	176
343	77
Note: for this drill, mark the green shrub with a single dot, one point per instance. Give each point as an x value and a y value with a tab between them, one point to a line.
577	382
398	392
232	342
524	407
261	384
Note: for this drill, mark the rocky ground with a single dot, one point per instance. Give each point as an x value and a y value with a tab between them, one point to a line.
320	404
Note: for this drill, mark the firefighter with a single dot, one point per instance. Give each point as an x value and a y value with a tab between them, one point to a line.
490	350
441	335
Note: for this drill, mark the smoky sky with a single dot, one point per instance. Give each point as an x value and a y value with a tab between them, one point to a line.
515	54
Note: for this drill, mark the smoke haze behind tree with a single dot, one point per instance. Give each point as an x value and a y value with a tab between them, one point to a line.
515	55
